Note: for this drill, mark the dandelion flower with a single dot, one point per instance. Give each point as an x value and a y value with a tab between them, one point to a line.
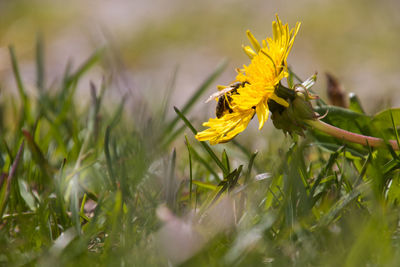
254	85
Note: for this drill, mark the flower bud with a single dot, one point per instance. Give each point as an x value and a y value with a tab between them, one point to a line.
292	119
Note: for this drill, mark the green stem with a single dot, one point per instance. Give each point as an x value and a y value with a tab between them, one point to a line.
349	136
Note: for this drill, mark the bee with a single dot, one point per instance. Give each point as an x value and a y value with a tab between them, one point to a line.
224	98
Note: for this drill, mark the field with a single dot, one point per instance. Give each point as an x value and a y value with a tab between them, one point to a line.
99	177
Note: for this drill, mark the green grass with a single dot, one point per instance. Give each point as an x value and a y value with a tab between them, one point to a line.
95	185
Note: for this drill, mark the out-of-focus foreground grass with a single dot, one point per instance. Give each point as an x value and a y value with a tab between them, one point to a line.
87	182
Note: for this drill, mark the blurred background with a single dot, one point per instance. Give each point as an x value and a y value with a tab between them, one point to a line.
148	41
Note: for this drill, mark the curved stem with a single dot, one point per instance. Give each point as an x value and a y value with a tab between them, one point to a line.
349	136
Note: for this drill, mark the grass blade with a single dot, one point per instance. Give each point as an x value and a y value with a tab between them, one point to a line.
170	188
17	75
110	169
193	99
205	163
85	66
204	144
40	71
249	167
340	204
327	167
190	170
225	161
395	129
5	194
38	157
20	86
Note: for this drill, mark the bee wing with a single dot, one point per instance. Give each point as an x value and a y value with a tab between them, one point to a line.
218	94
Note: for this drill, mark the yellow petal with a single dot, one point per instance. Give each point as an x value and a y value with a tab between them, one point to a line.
249	51
293	34
253	41
250	96
275	30
223	129
262	113
279	100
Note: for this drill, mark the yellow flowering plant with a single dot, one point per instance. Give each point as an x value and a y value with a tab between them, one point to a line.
257	83
257	89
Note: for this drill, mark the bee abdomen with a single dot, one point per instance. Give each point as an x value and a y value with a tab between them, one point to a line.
219	109
224	101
